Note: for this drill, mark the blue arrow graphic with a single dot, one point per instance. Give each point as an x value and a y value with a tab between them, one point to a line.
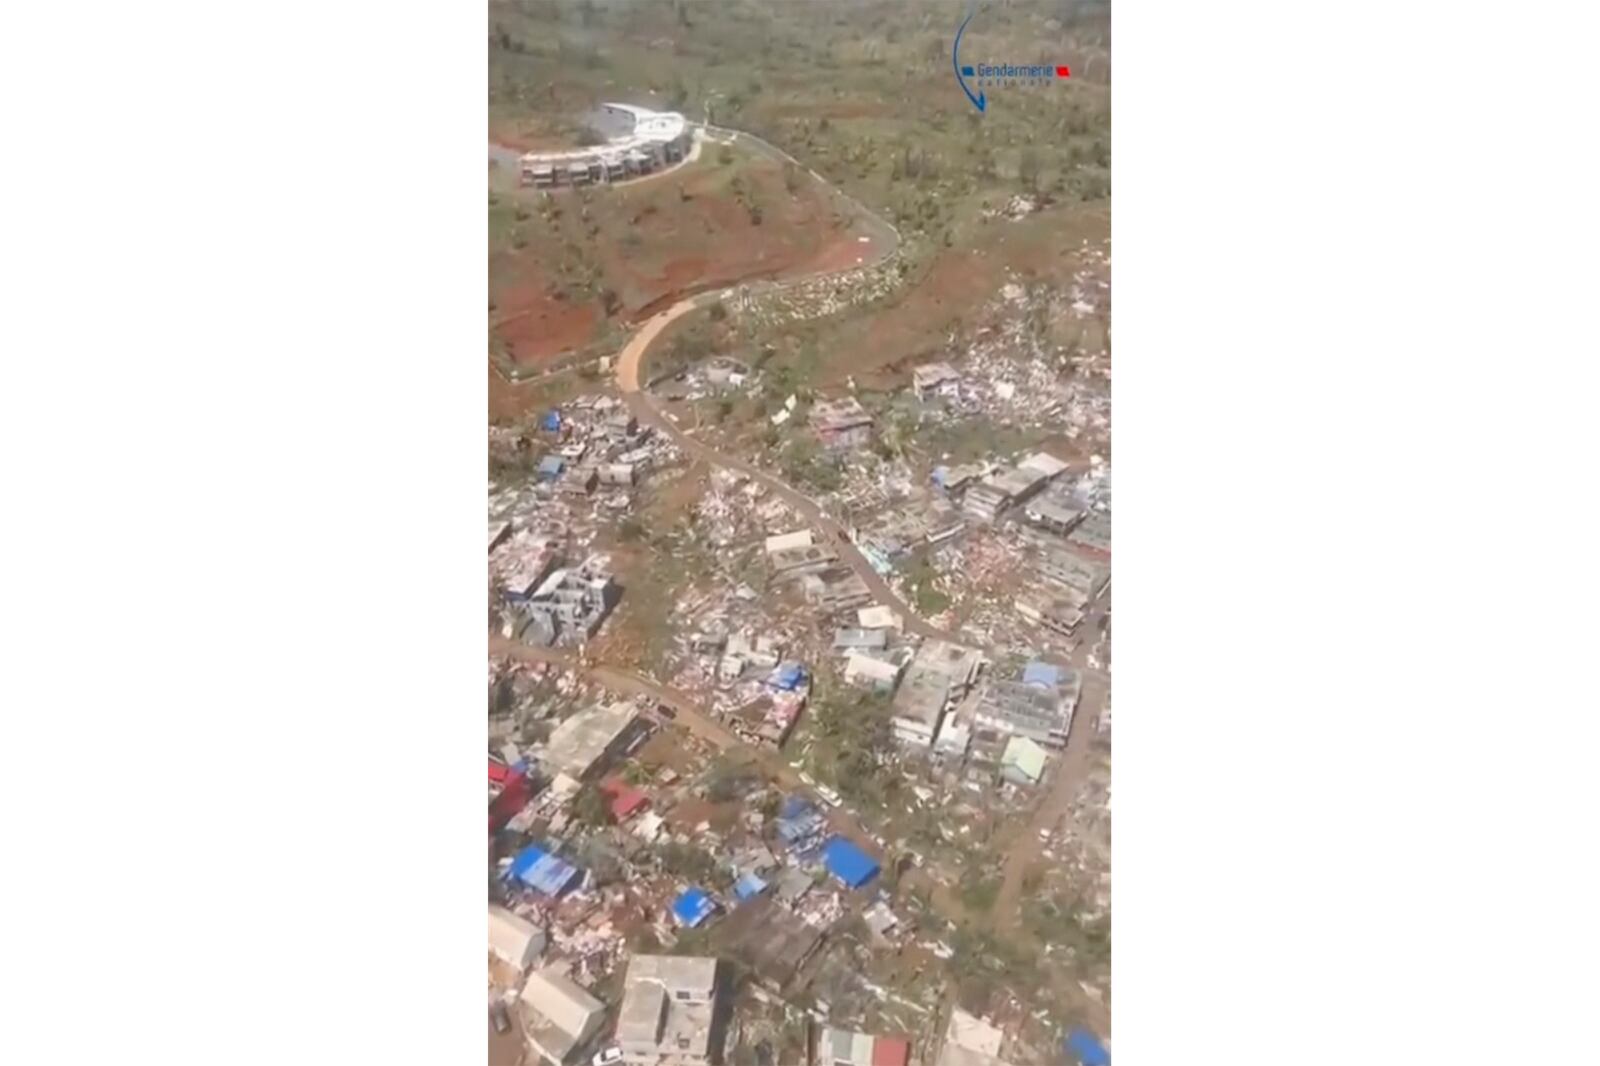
978	101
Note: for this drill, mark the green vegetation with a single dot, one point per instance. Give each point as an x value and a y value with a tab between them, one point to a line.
1058	921
920	580
979	888
804	462
884	120
851	744
590	808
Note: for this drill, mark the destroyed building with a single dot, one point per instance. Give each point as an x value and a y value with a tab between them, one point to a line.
668	1006
788	563
934	379
836	589
1068	585
841	423
896	533
1054	511
770	941
1009	486
573	602
1039	706
1093	536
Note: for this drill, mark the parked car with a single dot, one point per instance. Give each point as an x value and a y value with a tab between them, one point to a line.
666	711
608	1056
498	1015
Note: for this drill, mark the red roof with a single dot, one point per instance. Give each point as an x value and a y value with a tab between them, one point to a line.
891	1051
625	799
511	800
498	771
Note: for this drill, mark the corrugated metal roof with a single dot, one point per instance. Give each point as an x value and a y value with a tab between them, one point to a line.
543	872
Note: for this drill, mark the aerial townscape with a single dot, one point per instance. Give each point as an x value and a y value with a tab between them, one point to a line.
799	505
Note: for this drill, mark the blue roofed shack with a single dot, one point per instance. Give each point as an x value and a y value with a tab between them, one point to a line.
1088	1048
547	874
848	863
552	421
692	907
748	887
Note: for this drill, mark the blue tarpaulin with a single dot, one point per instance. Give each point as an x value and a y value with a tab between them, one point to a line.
749	886
787	677
1038	673
1088	1048
552	420
693	907
544	873
848	863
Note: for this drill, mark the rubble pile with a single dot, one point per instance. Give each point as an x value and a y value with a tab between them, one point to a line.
772	304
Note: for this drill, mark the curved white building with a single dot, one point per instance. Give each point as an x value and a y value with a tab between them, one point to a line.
653	139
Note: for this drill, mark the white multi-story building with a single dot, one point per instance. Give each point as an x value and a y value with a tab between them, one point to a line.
655	139
668	1003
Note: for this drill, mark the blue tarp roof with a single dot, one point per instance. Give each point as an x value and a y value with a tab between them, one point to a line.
543	872
692	907
749	885
787	676
848	863
1088	1048
1037	673
552	420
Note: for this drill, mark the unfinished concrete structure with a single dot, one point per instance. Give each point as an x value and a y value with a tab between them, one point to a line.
837	589
934	379
1009	486
668	1008
1093	536
574	602
841	423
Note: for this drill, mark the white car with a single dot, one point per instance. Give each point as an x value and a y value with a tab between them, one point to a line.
608	1056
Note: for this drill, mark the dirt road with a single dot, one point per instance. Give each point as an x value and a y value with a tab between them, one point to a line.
643	407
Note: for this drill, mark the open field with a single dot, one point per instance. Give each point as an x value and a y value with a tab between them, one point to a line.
570	266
